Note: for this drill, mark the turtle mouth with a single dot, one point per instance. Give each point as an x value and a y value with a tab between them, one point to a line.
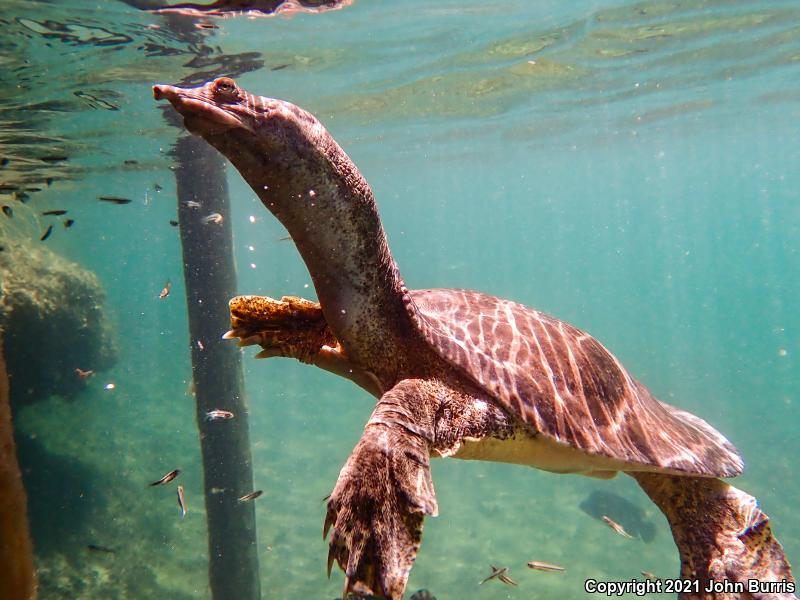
200	116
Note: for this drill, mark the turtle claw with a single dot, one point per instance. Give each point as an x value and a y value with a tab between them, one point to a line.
250	340
290	327
331	557
376	512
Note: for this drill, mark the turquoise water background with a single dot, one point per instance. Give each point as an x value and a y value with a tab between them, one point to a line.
629	167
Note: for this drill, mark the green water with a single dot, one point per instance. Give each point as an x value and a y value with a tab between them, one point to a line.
630	167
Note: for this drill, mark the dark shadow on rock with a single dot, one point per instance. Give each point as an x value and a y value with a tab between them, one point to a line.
62	495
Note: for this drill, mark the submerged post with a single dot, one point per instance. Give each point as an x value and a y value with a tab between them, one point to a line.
210	276
17	572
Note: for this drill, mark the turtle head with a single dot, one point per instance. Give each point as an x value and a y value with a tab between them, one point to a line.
305	179
218	107
260	136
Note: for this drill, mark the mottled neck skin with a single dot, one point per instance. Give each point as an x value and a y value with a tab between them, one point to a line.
308	182
329	210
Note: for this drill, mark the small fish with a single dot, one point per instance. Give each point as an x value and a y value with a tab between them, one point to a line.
191	204
95	102
53	158
104	549
212	218
7	211
630	515
33	189
167	478
543	566
55	213
130	162
279	67
616	527
206	26
49	181
165	290
46	234
217	414
285	238
251	496
22	196
69	223
648	574
173	222
157	187
182	501
115	199
84	374
500	573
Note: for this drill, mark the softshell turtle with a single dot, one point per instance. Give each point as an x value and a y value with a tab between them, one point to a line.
457	373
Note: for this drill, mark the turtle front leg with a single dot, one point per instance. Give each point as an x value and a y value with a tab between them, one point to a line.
292	327
296	328
721	534
384	491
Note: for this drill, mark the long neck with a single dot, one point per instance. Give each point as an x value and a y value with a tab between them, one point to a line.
328	208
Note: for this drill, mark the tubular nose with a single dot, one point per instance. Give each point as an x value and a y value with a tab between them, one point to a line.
163	91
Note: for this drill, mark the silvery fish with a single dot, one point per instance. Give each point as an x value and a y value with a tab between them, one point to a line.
182	501
617	527
212	218
217	413
167	478
251	496
165	290
500	573
543	566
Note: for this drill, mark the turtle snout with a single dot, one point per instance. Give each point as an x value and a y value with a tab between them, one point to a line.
164	92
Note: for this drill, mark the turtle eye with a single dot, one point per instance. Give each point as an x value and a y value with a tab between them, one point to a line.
225	90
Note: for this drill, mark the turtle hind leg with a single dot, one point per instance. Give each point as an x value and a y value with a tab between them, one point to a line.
720	533
384	491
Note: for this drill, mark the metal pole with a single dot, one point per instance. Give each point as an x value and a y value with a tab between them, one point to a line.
210	277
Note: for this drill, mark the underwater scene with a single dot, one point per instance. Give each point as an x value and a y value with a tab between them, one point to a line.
629	167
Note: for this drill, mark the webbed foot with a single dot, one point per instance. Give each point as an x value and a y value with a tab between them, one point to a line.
291	327
378	505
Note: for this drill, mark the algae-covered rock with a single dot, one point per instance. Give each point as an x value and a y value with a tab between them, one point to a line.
53	320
